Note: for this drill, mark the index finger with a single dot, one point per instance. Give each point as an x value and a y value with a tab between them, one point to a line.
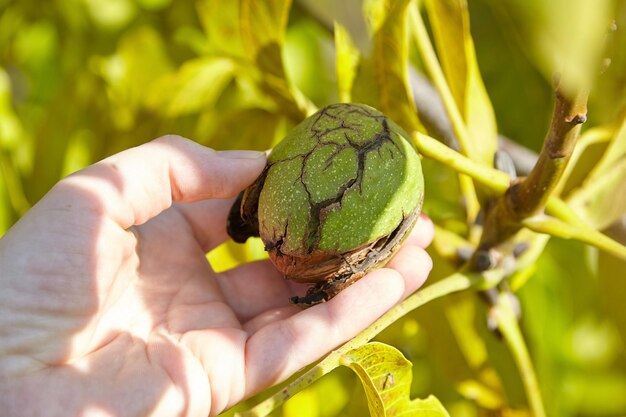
135	185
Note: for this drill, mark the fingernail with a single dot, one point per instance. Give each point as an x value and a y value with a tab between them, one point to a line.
240	154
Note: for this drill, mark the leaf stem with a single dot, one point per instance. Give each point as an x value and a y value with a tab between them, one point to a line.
435	71
582	233
509	327
453	283
431	63
570	226
494	180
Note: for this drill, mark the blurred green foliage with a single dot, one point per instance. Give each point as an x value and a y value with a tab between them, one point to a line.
82	79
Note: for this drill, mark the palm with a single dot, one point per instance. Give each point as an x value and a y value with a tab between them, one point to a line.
166	301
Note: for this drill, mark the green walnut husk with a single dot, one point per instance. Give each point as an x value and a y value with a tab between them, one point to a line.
338	195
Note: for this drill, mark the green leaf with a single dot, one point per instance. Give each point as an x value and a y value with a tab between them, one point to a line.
556	304
611	285
347	62
442	204
195	86
12	188
386	377
390	61
455	47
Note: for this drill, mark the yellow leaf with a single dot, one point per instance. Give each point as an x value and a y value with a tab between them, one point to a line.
229	254
386	377
220	21
455	47
590	146
390	61
195	86
347	62
602	200
449	23
304	404
614	153
461	313
263	24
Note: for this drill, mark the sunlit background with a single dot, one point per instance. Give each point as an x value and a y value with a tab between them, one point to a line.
82	79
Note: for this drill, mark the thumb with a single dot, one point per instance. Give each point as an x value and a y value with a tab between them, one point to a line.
137	184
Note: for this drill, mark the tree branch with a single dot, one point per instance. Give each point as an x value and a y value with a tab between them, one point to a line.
529	196
568	116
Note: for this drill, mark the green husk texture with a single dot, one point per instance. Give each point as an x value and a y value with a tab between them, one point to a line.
344	177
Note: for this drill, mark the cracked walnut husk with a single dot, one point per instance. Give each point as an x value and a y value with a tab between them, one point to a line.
338	196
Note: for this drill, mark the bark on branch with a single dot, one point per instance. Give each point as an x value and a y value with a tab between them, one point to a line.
528	196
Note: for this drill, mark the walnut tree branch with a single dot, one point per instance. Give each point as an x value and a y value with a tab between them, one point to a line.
528	196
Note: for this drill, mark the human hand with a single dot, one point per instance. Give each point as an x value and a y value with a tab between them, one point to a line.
109	306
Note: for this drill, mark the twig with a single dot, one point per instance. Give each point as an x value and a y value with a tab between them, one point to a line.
530	195
568	116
